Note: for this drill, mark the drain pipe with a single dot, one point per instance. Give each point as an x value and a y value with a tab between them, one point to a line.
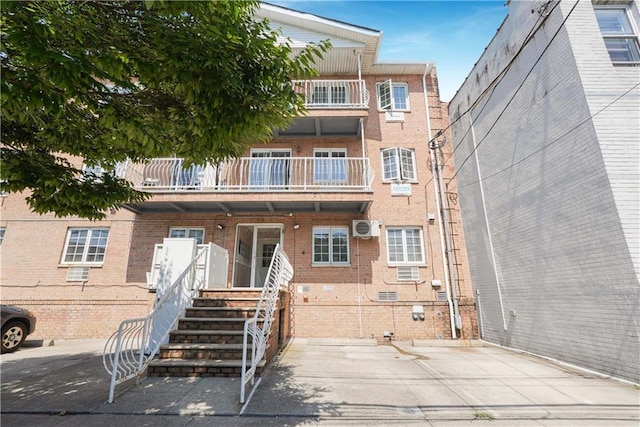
447	235
435	191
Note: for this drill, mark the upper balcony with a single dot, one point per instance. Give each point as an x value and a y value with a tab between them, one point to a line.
253	184
334	108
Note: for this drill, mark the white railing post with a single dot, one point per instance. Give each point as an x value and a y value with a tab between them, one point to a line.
279	273
127	352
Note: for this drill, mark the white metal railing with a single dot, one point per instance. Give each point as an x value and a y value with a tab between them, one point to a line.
252	174
333	94
278	276
129	350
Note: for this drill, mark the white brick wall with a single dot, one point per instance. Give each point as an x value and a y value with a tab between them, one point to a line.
564	222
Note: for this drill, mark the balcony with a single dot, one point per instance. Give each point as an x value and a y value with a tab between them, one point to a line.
334	108
333	94
253	184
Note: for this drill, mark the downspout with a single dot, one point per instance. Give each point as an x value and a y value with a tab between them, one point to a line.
486	222
435	190
449	246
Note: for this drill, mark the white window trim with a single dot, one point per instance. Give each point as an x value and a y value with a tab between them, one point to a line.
400	173
187	230
86	247
391	106
330	263
404	247
329	85
330	151
634	35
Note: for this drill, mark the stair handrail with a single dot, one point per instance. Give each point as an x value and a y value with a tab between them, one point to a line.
279	274
129	350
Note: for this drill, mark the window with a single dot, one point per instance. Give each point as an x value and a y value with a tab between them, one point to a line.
2	230
404	245
393	96
398	164
269	169
85	246
330	166
184	232
331	245
619	35
326	93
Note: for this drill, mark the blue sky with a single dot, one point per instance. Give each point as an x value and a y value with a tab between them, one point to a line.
451	33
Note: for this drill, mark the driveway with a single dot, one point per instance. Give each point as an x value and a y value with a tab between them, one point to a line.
322	382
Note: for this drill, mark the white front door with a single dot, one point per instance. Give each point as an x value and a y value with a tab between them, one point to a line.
255	245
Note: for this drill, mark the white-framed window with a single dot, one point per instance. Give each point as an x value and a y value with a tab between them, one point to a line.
328	93
398	164
85	246
331	245
393	96
188	232
619	33
405	245
329	165
269	169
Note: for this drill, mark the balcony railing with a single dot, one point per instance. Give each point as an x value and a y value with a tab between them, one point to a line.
333	94
252	174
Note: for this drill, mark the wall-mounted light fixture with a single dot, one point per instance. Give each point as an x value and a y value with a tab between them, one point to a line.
296	226
220	227
229	214
298	149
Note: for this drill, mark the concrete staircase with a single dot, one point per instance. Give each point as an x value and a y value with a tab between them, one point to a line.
208	341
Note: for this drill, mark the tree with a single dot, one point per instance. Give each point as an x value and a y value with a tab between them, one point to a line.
107	81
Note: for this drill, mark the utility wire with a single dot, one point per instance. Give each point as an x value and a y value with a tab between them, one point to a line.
516	91
555	140
498	79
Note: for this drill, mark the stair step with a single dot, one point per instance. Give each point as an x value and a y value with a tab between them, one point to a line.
226	302
221	312
202	351
206	337
198	368
212	323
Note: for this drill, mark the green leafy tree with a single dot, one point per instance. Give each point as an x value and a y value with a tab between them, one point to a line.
107	81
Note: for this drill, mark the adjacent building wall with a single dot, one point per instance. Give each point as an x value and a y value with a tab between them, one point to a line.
550	195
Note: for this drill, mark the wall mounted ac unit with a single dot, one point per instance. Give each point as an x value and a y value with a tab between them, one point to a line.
366	228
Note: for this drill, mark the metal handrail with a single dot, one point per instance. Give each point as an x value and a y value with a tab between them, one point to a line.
279	274
332	94
252	174
129	350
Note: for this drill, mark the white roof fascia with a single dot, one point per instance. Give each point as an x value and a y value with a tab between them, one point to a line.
398	68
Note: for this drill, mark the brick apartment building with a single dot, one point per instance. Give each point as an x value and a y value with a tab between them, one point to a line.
549	179
348	190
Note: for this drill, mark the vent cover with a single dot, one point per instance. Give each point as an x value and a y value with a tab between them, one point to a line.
388	296
77	274
441	296
408	274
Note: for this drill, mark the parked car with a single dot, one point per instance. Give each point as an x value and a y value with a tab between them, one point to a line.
17	323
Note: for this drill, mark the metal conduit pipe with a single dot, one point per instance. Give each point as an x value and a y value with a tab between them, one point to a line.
454	335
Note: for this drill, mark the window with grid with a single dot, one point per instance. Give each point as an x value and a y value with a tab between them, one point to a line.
330	165
331	245
398	164
85	246
405	245
393	96
188	232
620	37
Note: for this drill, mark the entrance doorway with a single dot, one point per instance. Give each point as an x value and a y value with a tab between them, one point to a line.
255	245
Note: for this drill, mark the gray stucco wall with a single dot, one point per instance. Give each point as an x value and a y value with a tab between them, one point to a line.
548	195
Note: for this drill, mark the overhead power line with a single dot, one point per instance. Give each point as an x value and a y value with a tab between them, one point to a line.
554	140
495	122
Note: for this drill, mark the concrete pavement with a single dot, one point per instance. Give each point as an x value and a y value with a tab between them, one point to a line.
321	382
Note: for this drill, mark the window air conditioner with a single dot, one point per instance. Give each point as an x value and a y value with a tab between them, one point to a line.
366	228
